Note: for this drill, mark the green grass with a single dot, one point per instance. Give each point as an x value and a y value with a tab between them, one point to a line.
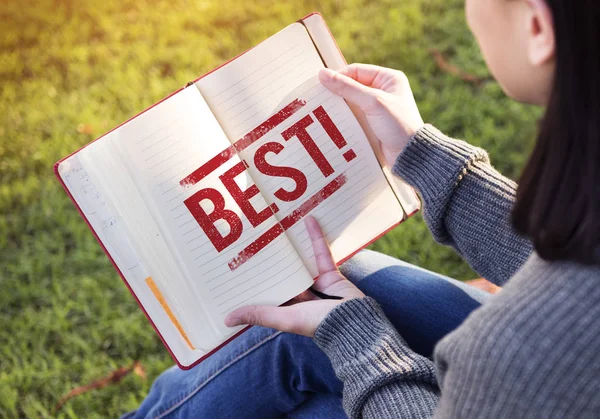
70	70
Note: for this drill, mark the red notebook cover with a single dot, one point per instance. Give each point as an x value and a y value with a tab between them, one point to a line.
61	180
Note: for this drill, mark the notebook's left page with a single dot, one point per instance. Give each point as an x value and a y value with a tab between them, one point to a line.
114	237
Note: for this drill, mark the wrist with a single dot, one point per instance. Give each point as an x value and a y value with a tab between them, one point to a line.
435	164
391	154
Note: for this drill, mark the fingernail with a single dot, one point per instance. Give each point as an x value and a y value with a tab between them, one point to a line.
326	75
231	321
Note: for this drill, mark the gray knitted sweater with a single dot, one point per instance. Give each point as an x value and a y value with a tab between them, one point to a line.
533	350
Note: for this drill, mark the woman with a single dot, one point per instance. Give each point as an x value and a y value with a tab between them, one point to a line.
533	350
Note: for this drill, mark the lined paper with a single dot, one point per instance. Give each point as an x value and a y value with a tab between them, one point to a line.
246	91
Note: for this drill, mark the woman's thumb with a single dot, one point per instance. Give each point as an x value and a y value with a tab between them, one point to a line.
346	87
266	316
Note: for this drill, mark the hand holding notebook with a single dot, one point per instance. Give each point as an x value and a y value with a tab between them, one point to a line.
385	96
199	200
303	314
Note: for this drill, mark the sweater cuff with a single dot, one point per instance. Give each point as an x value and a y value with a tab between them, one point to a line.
367	353
370	357
357	333
434	164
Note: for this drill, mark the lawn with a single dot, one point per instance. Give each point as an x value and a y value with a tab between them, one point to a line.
70	70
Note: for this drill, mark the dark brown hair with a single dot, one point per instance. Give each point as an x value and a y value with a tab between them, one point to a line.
558	200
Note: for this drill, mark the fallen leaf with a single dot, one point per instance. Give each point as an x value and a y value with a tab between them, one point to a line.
112	378
450	68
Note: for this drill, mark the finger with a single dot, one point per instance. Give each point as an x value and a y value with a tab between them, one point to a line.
386	79
346	87
280	318
366	74
323	257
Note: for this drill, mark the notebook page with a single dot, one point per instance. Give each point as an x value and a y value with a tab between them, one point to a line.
246	91
114	236
126	201
159	160
261	84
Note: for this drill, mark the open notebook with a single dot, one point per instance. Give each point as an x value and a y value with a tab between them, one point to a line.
199	201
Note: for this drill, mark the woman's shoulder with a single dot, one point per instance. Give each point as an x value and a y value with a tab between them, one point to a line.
536	343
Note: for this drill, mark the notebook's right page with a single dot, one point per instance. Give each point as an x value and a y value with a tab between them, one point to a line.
303	146
346	188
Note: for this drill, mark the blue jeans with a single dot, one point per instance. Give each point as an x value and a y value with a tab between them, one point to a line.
265	373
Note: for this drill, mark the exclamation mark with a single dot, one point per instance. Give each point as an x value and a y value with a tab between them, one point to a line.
334	133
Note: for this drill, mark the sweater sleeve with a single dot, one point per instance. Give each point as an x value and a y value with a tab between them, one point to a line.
466	203
382	376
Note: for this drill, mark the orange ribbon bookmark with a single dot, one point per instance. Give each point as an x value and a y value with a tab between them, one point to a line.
165	307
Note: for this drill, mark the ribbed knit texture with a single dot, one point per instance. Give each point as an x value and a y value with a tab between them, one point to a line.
533	350
370	358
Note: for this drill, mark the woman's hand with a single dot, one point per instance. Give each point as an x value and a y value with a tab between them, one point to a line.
303	314
384	95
